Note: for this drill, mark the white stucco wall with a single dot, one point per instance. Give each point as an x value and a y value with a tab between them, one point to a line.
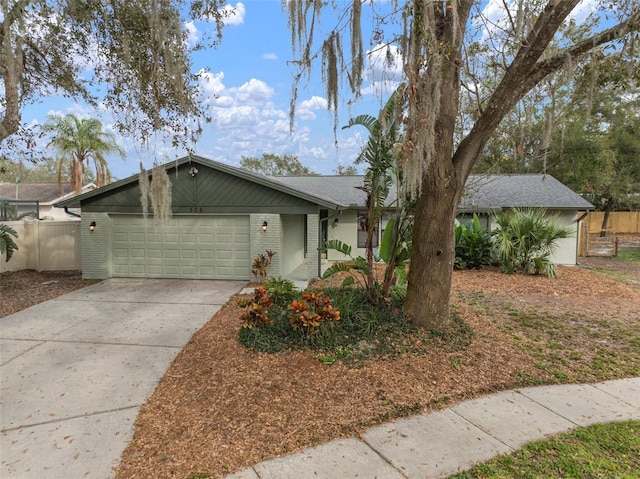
292	243
346	230
567	249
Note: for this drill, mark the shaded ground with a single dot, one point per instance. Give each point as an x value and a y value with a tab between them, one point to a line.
625	271
221	407
21	289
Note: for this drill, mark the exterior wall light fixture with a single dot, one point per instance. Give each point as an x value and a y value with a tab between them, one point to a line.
264	226
92	226
335	223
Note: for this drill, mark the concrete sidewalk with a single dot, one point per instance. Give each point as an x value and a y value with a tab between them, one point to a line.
74	370
438	444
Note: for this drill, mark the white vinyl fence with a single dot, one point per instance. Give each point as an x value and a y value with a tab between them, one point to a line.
44	246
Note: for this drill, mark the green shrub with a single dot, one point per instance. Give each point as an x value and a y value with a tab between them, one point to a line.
282	291
474	245
311	311
365	330
526	238
256	314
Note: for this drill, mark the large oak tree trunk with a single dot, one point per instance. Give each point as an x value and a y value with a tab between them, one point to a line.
428	292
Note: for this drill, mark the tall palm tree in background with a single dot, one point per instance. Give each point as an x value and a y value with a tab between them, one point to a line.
79	141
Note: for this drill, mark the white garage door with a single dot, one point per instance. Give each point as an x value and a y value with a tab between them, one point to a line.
199	247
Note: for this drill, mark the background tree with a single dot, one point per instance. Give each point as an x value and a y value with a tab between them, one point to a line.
434	50
44	171
346	170
275	165
136	50
599	155
587	136
78	142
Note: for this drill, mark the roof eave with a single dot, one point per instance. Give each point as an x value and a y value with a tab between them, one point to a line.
231	170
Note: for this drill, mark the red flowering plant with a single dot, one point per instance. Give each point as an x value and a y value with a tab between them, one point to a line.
256	312
310	311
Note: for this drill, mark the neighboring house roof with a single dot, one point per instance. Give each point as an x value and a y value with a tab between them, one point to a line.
45	193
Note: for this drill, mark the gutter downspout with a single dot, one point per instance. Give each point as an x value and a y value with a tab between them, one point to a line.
584	215
70	213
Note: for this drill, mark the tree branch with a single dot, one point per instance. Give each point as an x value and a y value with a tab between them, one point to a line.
525	72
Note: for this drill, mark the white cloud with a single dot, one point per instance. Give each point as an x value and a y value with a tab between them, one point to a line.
582	11
305	111
270	56
193	36
233	15
212	91
384	70
494	20
253	91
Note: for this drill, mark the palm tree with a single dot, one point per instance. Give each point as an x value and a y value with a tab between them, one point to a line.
526	239
380	155
7	245
78	142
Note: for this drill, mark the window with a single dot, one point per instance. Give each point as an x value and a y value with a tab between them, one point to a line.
362	223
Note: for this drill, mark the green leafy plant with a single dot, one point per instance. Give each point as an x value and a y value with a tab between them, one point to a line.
256	312
525	240
280	290
313	309
7	245
9	212
261	264
383	157
474	245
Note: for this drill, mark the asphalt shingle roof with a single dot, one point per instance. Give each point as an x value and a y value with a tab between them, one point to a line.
482	192
43	192
343	190
520	191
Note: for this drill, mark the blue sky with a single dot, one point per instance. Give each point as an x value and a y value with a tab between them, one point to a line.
247	92
247	89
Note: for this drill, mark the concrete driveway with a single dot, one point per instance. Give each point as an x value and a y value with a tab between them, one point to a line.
74	370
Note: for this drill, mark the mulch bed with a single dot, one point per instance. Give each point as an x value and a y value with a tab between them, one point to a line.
220	407
22	289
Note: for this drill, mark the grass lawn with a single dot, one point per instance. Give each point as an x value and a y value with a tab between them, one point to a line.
632	254
600	451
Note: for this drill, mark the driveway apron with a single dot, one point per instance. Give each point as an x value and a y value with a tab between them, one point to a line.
75	370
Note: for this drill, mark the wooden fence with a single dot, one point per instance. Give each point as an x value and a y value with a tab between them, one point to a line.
45	246
620	222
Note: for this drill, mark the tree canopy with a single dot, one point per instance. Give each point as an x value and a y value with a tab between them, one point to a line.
275	165
79	141
135	50
466	65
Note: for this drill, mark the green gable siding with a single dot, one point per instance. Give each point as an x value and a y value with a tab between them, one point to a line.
208	192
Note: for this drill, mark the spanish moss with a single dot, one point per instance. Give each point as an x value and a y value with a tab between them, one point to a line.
143	181
160	195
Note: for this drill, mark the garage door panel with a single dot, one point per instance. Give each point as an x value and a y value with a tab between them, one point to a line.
215	247
153	253
188	254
